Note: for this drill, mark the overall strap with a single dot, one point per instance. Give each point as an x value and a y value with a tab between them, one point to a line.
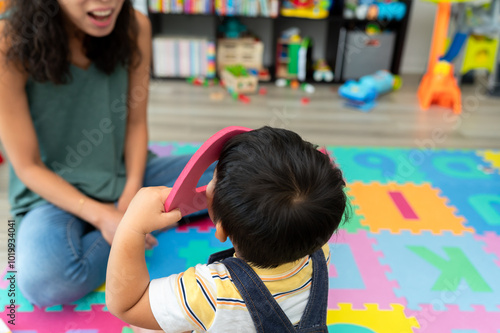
314	317
267	315
219	256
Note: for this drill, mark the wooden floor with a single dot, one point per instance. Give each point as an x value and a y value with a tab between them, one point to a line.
180	112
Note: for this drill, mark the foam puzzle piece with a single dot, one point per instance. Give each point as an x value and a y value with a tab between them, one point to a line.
22	303
382	165
185	148
453	319
91	299
492	242
371	318
161	149
451	167
446	277
441	270
353	224
177	251
184	194
381	212
365	281
492	157
478	204
96	297
67	321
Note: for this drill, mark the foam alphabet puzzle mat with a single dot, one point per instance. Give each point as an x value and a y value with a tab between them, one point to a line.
421	252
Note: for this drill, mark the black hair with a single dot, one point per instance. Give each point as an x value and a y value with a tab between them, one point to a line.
277	197
39	42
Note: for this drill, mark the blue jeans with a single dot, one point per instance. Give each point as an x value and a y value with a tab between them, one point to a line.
61	258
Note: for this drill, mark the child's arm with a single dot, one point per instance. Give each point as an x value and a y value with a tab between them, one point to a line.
127	280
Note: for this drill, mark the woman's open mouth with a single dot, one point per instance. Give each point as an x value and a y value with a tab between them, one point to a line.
101	18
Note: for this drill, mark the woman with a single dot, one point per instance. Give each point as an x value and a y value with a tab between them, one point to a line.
73	100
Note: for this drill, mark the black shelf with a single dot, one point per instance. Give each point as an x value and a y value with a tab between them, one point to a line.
330	31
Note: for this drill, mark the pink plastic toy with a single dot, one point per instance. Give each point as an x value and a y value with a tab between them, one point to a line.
184	194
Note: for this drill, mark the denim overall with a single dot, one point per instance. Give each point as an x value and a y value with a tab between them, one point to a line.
267	315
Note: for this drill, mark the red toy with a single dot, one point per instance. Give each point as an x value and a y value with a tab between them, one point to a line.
184	194
245	99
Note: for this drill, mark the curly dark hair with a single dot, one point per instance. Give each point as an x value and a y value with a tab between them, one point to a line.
39	42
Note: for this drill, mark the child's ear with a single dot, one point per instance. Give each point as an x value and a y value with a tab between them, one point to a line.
220	233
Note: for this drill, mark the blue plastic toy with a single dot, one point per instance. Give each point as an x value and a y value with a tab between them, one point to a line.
362	94
231	27
391	11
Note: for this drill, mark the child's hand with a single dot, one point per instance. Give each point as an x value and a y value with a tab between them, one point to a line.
146	211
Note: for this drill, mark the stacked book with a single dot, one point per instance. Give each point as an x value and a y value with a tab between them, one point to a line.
181	6
183	57
263	8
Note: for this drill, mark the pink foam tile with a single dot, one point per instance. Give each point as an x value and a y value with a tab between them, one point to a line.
432	321
202	225
66	320
378	289
492	241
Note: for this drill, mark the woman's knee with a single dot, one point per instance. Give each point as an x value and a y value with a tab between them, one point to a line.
50	270
59	285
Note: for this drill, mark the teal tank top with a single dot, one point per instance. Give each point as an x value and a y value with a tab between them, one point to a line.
80	128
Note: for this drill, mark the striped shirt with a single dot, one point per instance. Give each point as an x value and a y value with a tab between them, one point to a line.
204	298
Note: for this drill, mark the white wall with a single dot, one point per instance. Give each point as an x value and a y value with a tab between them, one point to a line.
418	38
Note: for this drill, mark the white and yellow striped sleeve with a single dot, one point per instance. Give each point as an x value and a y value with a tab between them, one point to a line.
185	301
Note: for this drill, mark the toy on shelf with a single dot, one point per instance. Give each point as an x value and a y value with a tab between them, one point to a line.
183	57
322	72
362	94
252	8
375	10
313	9
293	55
180	6
247	52
238	47
231	27
373	29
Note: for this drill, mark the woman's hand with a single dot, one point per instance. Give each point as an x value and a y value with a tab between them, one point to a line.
127	195
110	219
146	212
